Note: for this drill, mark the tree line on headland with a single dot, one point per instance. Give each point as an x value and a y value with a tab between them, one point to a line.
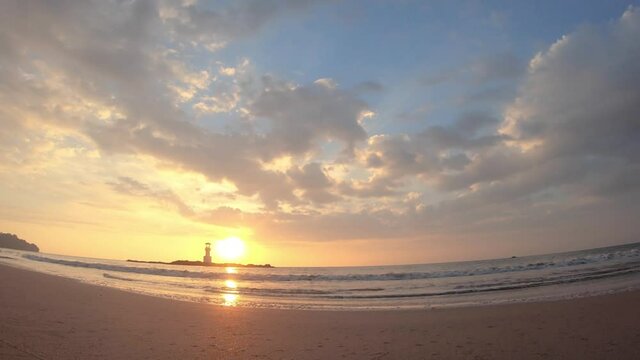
12	241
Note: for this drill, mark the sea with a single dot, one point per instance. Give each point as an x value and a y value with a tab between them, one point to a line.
422	286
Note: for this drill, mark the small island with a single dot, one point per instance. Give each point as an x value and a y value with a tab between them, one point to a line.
206	261
12	241
202	263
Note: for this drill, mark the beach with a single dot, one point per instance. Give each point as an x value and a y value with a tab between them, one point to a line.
49	317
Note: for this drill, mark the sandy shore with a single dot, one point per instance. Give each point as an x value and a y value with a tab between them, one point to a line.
48	317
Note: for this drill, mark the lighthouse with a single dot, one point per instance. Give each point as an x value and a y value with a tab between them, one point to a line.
207	254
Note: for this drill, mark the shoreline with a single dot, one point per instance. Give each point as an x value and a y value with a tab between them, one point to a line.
55	317
574	289
343	309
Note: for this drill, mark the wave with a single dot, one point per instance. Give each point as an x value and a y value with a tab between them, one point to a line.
285	292
498	287
389	293
388	276
109	276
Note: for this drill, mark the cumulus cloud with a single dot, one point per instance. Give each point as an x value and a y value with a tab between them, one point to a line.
581	99
118	80
303	116
111	74
565	150
193	23
573	131
567	146
434	151
576	115
314	182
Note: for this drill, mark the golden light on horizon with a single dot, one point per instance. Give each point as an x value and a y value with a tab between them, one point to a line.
230	248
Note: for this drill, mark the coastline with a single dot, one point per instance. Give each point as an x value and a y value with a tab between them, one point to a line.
200	263
46	316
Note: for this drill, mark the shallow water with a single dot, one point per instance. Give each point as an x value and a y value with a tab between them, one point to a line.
531	278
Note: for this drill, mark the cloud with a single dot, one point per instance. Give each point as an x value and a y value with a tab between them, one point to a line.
567	146
118	77
581	99
312	179
435	151
303	116
376	187
119	81
565	150
132	187
298	119
571	135
193	23
576	104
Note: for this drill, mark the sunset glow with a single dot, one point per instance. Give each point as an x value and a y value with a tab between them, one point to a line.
313	179
230	249
147	134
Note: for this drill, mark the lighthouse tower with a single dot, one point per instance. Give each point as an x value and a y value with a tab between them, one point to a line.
207	254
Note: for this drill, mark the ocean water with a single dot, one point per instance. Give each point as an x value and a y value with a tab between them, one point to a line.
530	278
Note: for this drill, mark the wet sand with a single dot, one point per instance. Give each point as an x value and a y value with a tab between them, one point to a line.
49	317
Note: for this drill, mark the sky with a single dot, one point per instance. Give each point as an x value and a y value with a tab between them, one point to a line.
320	132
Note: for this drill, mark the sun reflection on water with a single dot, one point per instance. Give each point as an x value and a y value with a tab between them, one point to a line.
230	295
230	284
229	299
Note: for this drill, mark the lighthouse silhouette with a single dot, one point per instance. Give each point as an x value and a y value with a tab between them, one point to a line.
207	254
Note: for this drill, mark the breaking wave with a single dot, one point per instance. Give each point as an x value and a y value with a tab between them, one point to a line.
488	269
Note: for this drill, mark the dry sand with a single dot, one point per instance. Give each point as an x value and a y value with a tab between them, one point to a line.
49	317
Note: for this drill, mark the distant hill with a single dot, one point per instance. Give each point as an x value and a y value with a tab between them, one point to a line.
11	241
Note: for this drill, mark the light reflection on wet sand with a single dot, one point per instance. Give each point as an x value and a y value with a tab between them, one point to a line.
230	296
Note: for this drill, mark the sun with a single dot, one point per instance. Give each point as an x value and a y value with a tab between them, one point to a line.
230	248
